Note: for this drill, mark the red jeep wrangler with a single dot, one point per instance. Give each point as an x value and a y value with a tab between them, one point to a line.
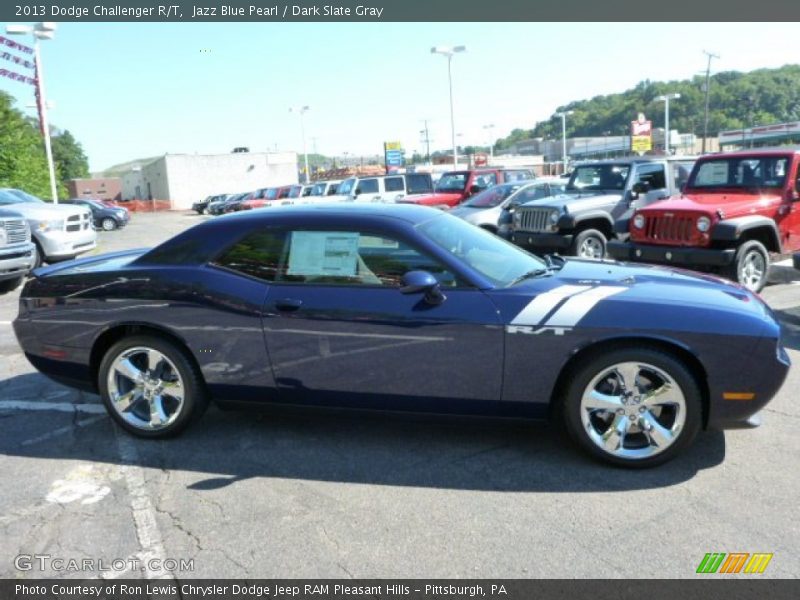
456	186
736	210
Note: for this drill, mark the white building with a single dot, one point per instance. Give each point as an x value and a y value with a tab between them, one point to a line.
185	178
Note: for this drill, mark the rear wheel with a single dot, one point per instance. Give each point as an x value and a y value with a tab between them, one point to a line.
108	224
151	387
750	266
589	243
633	407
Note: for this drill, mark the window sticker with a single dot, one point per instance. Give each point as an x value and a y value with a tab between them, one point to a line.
320	253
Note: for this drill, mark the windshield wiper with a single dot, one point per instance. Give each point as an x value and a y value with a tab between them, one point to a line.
531	274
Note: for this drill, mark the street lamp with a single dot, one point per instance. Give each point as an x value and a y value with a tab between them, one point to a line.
564	116
490	127
301	111
41	31
449	51
665	99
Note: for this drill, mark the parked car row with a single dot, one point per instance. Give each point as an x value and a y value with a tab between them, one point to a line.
727	213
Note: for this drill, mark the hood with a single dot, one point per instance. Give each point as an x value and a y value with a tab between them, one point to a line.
646	297
577	202
431	199
46	211
477	215
731	204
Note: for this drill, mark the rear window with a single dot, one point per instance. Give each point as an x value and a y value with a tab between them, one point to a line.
419	183
394	184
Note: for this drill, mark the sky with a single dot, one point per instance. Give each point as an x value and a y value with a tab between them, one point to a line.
135	90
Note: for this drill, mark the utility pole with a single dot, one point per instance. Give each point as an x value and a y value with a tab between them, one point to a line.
426	139
710	55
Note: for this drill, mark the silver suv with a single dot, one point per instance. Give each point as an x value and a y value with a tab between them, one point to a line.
17	252
60	231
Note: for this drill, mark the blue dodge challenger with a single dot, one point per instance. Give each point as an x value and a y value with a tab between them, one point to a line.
403	307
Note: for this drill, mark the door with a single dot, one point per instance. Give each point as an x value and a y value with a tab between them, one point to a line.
339	331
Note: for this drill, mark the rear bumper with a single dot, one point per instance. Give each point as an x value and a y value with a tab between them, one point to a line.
670	255
16	260
539	241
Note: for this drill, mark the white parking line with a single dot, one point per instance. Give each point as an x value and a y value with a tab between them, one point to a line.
5	322
94	409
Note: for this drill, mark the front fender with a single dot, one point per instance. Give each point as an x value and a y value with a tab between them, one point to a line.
731	230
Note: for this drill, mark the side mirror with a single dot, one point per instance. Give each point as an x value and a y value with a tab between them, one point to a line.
640	187
357	192
475	188
416	282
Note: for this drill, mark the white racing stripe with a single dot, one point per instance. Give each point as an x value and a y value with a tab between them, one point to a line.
538	308
577	307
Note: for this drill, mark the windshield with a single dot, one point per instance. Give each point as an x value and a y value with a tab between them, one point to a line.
346	186
295	191
271	194
318	189
599	177
10	196
492	197
741	172
499	261
452	182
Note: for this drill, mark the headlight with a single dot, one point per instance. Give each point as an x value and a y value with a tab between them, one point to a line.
54	225
703	224
638	221
554	217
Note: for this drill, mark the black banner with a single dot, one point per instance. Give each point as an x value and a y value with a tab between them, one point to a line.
399	10
748	587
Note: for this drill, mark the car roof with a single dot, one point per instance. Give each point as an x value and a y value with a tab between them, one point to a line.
411	213
766	151
626	160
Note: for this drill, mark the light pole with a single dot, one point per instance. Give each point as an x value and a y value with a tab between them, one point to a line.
301	111
449	51
710	55
665	99
490	127
41	31
564	116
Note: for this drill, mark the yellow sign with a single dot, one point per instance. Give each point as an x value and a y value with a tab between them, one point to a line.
641	143
393	145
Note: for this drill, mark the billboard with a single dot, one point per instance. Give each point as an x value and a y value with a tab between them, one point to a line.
394	155
641	135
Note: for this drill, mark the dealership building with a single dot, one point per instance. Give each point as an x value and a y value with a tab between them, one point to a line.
185	178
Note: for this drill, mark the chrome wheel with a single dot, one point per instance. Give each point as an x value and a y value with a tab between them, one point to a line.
591	248
108	224
633	410
752	270
145	388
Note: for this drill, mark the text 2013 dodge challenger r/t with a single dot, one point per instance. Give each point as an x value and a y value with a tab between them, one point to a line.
403	307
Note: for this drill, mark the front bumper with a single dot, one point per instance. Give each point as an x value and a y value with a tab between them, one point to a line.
542	241
670	255
60	245
16	260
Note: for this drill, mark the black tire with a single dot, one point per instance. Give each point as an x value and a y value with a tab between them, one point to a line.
108	224
581	377
587	239
749	255
38	259
8	285
195	401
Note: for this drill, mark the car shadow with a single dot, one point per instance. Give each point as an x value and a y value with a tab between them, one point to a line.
226	447
790	327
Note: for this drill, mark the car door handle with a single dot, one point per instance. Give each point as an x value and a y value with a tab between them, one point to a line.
288	304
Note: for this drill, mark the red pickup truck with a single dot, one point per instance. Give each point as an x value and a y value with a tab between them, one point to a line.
738	210
456	186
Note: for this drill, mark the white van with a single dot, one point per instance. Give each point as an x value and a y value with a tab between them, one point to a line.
384	188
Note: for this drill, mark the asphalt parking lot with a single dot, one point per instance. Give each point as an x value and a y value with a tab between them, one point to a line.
291	495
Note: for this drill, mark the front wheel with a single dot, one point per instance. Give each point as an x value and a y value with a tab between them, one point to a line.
108	224
750	266
151	387
633	407
589	243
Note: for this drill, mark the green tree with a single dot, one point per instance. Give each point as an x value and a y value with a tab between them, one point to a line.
22	159
70	160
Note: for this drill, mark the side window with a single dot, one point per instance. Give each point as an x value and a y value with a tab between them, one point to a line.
653	175
680	173
367	186
354	258
258	255
485	180
394	184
